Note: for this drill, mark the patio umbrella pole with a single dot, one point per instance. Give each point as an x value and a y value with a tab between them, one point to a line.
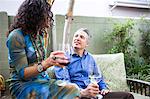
67	26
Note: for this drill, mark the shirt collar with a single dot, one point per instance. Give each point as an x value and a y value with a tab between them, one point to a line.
72	52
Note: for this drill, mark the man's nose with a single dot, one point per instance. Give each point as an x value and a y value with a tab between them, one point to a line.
78	37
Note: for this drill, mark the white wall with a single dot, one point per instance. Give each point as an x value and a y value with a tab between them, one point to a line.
97	8
10	6
83	7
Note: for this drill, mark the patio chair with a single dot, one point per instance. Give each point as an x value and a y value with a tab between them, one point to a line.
113	70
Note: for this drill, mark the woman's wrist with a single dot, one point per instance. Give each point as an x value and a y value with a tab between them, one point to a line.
48	62
45	65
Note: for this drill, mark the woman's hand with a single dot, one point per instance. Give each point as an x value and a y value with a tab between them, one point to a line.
56	58
59	59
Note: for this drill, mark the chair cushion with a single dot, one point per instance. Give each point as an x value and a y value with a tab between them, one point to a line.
113	70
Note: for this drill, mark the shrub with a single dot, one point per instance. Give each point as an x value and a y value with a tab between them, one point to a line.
121	38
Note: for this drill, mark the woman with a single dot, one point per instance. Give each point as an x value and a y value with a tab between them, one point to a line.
28	64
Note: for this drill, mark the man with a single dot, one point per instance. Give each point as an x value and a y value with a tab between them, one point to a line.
79	70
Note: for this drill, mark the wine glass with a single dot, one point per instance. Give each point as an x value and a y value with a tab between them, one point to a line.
95	78
66	49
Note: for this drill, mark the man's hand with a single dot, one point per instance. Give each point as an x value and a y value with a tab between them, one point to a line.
91	91
104	91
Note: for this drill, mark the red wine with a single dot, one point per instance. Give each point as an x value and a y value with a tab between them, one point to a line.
64	64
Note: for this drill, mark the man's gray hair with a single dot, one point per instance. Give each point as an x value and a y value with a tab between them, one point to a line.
86	31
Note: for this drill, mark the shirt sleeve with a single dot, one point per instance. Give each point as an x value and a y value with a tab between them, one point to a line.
61	73
97	71
17	54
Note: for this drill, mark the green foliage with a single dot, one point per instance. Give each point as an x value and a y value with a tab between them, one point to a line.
141	72
145	41
142	69
121	39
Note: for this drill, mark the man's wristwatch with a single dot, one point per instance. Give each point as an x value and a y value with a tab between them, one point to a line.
40	67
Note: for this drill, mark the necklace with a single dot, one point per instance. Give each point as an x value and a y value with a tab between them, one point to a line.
38	47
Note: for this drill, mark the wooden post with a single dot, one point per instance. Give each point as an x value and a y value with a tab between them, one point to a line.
67	26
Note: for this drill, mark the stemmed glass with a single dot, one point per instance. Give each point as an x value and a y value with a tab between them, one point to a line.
66	49
94	78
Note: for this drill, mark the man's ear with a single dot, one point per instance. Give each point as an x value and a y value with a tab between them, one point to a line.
87	45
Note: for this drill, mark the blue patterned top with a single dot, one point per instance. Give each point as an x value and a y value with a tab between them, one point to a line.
22	54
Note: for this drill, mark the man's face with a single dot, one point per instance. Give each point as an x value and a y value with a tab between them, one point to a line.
80	40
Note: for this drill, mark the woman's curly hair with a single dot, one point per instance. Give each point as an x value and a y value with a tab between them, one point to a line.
33	16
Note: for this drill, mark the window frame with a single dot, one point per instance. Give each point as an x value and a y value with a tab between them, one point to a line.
130	3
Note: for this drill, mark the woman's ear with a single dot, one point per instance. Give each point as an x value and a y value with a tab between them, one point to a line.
50	2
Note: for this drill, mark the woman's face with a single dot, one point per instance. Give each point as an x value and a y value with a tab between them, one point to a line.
49	20
47	25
